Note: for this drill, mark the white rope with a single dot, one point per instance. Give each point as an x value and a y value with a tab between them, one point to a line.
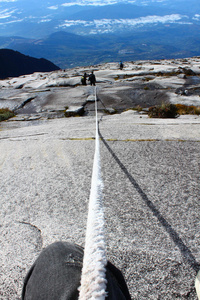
93	279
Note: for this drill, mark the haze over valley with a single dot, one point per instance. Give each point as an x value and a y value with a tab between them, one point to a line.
78	33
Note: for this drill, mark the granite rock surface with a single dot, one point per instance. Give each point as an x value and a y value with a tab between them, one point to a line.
150	169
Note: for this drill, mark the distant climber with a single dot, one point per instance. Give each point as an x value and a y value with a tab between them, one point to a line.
84	79
92	78
121	65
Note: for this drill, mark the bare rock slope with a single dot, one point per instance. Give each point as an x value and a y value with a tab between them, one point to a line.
142	83
150	169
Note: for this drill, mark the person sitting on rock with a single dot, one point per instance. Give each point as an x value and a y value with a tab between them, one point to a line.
92	78
56	275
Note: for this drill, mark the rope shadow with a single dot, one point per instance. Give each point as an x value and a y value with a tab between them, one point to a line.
185	251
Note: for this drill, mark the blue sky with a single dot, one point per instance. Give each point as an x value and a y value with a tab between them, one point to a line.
44	11
95	2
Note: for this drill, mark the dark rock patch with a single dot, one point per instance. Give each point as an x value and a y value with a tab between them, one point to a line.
14	64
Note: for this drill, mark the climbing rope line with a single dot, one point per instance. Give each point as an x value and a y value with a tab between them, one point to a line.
93	279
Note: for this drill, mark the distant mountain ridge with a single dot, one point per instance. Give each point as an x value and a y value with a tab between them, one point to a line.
14	64
81	33
68	50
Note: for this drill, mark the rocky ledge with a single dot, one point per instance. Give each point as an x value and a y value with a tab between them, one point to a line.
141	83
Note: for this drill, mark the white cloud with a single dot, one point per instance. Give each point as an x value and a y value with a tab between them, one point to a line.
107	24
94	3
70	4
31	18
4	14
11	22
8	0
106	2
53	7
196	17
44	21
69	23
147	2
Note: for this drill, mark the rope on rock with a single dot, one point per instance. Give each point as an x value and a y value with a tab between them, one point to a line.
93	279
